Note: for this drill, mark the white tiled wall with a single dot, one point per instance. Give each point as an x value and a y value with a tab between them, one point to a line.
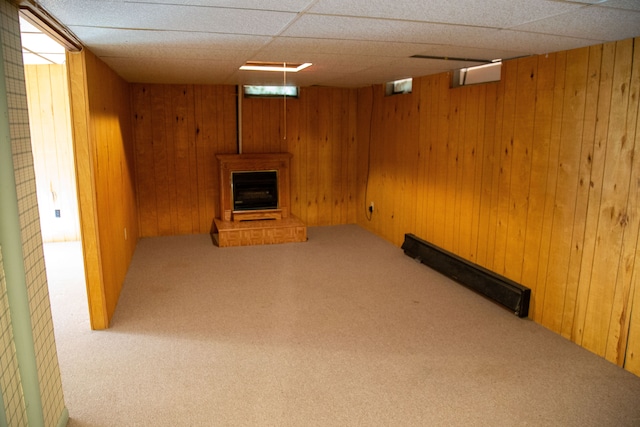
14	408
38	293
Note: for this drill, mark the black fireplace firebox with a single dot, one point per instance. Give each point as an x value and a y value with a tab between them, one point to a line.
254	190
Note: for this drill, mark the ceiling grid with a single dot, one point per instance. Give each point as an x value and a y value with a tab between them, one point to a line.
351	44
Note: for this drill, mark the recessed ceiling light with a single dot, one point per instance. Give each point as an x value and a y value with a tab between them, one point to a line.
274	66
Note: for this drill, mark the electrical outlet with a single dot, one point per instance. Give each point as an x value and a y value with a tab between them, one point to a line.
57	213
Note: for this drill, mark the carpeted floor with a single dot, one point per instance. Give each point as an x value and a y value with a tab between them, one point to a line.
343	330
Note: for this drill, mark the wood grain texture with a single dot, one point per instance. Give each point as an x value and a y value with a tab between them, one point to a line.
321	136
51	140
103	145
533	177
178	130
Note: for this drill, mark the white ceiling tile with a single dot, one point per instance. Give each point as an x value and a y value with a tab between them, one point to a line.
275	5
345	47
416	67
534	43
622	4
167	70
131	43
283	46
303	78
169	17
354	43
590	23
351	28
488	13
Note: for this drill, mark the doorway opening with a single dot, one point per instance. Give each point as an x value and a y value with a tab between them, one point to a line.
54	165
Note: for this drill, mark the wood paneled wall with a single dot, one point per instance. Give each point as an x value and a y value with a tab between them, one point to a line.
319	130
178	130
103	146
533	177
50	124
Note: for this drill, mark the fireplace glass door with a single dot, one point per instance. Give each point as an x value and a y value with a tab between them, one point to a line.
255	190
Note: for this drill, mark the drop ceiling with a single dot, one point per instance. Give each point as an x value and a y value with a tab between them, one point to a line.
351	43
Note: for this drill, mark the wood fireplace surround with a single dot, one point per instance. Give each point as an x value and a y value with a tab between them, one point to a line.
256	227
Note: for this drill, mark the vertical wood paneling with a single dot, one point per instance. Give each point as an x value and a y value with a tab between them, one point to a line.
504	133
411	162
489	161
583	190
470	198
564	212
535	177
324	157
312	153
187	125
613	217
103	146
623	296
364	123
144	154
178	130
440	180
541	145
546	250
321	134
521	149
595	186
50	125
352	160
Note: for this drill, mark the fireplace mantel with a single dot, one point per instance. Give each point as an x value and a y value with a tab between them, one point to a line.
241	228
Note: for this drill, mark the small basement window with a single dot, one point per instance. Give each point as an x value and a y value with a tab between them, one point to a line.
270	91
398	87
486	73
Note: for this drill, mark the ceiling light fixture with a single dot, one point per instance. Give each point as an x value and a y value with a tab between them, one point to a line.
274	66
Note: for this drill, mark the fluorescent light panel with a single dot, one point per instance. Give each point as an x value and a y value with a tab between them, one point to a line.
274	66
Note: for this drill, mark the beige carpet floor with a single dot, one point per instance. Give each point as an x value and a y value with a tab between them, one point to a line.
343	330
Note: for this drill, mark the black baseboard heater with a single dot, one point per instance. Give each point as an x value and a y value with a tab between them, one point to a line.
498	288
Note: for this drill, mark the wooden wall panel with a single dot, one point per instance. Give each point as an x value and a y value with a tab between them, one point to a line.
50	124
178	130
537	192
564	207
613	215
533	177
103	146
319	129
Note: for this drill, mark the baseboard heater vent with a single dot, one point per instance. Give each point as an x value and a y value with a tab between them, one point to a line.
498	288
